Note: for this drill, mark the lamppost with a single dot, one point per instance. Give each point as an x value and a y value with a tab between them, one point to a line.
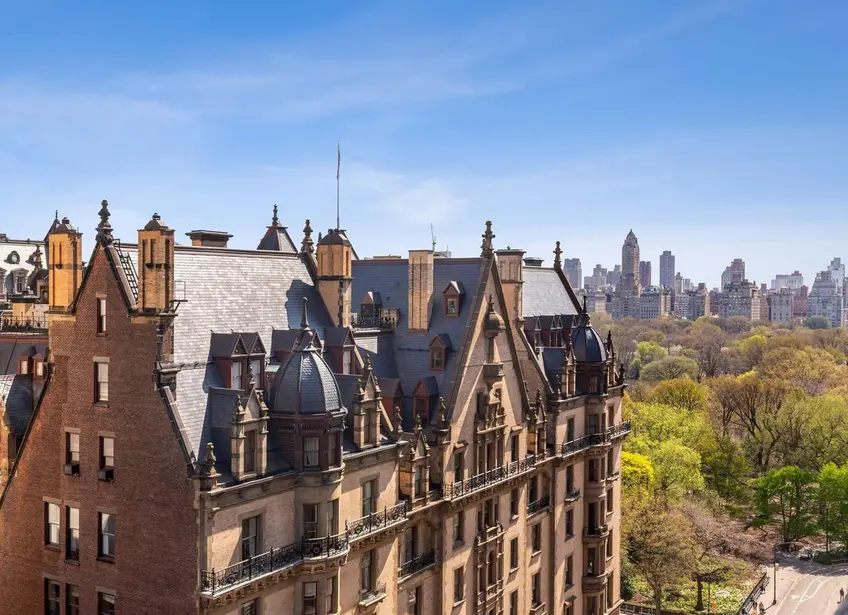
775	578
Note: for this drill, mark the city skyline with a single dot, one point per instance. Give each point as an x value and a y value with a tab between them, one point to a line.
444	115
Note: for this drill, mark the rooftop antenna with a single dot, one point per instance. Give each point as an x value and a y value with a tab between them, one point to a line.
433	236
338	174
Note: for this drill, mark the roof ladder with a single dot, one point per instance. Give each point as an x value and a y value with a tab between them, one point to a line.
129	270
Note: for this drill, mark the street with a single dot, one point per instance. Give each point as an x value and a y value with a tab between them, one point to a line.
806	588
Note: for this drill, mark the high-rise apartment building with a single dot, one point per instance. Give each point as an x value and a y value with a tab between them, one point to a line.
781	305
573	271
598	279
837	272
740	299
734	273
825	298
793	281
654	303
322	435
800	303
625	303
667	269
692	304
645	273
614	276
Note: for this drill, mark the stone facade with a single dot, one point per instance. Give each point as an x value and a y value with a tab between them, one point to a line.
781	305
740	299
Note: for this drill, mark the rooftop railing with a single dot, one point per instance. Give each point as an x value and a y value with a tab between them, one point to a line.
36	324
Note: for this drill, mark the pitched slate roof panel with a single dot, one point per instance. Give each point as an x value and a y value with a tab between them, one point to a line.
544	293
16	393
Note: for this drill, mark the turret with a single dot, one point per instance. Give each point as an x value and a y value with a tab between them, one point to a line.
335	257
65	257
155	266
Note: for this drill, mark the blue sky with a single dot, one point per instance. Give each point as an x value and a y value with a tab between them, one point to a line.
714	129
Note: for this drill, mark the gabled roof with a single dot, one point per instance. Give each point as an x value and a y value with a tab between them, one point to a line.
335	337
410	351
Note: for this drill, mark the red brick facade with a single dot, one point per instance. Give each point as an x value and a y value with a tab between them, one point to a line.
152	496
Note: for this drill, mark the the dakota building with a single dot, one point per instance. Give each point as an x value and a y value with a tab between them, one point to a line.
294	430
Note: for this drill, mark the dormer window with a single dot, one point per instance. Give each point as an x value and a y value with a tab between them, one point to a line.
438	352
257	366
236	375
453	294
23	367
422	409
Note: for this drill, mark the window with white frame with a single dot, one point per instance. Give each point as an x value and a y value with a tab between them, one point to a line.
51	524
101	381
310	451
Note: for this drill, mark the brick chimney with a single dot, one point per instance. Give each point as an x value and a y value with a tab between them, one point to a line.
334	258
65	253
511	270
209	239
155	266
420	290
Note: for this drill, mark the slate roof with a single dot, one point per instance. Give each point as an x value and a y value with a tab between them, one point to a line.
544	293
231	291
12	349
16	393
411	355
277	239
305	384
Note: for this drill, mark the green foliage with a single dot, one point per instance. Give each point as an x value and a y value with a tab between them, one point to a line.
678	469
681	393
817	322
833	497
787	496
637	474
670	368
727	470
650	351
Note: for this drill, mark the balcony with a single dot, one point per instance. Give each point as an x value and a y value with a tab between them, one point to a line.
489	533
491	478
594	584
572	447
596	533
385	320
373	524
619	431
539	505
538	609
215	582
369	597
417	564
23	325
572	495
493	372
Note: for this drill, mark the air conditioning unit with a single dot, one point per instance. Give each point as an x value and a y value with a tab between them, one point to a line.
106	474
72	469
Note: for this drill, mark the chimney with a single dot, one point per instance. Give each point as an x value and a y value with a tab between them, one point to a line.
533	261
420	290
65	253
209	239
155	266
511	269
334	258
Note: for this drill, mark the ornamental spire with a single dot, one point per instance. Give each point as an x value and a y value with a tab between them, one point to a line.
275	221
486	248
557	257
104	229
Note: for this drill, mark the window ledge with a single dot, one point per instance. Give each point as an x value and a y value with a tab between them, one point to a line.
101	404
55	548
459	603
72	562
535	553
106	559
101	334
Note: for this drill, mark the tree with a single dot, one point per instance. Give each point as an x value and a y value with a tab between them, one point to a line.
681	393
637	474
677	468
660	545
817	322
708	341
813	370
786	495
650	351
669	368
833	499
654	424
726	470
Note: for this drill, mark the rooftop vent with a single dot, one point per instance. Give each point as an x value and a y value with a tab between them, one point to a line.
209	239
532	261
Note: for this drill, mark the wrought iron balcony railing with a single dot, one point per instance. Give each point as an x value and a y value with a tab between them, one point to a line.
373	523
417	564
574	446
538	505
620	430
23	325
490	478
370	596
599	531
215	581
382	319
572	495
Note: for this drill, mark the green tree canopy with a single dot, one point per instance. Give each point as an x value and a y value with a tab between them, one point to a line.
818	322
670	368
682	393
787	496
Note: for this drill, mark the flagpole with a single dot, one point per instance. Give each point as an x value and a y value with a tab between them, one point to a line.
338	172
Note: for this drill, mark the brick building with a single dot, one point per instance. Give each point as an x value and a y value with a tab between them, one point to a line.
303	432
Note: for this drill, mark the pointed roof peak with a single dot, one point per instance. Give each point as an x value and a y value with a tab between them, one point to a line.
104	229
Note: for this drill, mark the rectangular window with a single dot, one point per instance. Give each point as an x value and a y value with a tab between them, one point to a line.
310	520
107	458
52	606
513	447
368	491
250	451
513	603
569	480
610	464
366	563
23	368
51	524
569	430
105	604
459	527
590	562
537	590
101	382
101	315
310	598
410	544
592	426
72	533
569	571
414	601
569	524
537	538
533	494
593	470
106	540
513	554
458	585
592	520
437	359
330	599
249	608
39	368
335	449
235	375
458	466
72	454
310	452
609	544
368	427
249	538
419	481
333	517
347	361
257	366
609	501
72	599
513	503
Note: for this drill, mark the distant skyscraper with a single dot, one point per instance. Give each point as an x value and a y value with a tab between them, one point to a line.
667	269
837	272
626	301
645	273
734	273
614	276
792	280
825	299
573	270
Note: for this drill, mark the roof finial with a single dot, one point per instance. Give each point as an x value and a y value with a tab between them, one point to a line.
398	419
104	229
557	257
275	221
307	246
209	461
304	321
56	219
367	369
486	249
